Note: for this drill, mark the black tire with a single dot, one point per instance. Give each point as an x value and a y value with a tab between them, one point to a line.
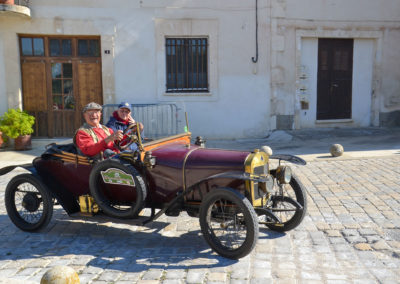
100	190
233	240
28	202
295	190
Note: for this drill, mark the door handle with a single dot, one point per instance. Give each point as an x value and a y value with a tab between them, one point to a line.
333	86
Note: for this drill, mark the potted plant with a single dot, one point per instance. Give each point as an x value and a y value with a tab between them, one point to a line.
18	125
1	139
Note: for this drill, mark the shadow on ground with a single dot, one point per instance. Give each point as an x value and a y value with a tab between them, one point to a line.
102	243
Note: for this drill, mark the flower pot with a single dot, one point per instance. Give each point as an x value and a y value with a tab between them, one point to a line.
23	142
8	2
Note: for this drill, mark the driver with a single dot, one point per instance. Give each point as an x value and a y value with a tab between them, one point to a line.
92	138
121	119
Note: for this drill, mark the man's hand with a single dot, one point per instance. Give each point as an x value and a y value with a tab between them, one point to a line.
130	119
117	135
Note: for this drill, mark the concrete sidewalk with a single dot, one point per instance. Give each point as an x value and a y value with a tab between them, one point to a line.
314	144
310	144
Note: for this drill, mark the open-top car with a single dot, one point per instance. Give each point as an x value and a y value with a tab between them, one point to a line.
231	192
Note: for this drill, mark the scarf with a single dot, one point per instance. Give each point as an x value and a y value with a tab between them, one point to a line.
116	116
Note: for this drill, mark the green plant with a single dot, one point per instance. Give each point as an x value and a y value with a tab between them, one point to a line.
15	123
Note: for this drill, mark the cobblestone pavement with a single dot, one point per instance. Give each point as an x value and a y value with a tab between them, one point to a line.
351	234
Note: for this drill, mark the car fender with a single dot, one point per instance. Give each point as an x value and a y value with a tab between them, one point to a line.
8	169
289	158
57	191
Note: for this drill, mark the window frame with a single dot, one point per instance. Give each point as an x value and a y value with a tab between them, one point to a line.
197	28
186	65
32	38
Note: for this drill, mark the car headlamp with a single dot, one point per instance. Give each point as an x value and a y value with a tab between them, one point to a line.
284	174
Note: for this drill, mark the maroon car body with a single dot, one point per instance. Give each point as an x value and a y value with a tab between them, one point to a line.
230	191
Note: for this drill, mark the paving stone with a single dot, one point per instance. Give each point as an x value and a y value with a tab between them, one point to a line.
8	272
363	246
109	275
171	281
333	233
175	274
195	276
381	245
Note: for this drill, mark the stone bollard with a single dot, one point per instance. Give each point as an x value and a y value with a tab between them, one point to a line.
60	275
336	150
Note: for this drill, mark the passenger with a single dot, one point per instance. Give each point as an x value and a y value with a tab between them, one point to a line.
92	138
121	119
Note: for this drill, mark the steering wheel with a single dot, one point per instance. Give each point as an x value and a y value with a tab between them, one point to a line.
129	137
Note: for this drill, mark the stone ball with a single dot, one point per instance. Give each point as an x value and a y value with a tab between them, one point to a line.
336	150
60	275
267	150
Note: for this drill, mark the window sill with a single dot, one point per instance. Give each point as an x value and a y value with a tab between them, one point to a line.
346	120
188	95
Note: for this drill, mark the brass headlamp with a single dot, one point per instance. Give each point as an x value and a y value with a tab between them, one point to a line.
284	174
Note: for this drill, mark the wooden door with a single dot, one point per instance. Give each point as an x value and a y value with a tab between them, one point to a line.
335	71
35	94
59	77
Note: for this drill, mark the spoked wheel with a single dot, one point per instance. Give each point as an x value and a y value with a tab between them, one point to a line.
28	203
117	188
289	204
228	223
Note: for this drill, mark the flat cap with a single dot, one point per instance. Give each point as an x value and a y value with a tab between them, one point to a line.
92	105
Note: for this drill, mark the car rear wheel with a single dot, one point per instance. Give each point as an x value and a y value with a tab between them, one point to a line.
229	223
289	204
118	188
28	203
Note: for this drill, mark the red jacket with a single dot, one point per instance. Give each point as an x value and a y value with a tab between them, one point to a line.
88	146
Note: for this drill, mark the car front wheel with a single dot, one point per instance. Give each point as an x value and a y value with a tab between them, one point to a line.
28	203
229	223
289	203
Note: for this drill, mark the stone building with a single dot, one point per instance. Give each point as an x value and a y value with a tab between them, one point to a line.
240	68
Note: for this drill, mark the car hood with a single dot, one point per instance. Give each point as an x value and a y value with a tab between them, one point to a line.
203	163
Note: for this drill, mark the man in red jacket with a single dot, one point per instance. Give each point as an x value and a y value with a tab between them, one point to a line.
92	138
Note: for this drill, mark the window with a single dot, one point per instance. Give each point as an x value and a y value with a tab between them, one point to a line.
62	92
187	65
88	47
60	47
32	46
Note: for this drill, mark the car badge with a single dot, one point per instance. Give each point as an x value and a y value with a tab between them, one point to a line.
117	176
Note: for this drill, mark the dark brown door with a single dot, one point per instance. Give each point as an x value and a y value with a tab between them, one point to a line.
59	77
335	71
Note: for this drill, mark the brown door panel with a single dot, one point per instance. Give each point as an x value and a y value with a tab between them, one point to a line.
90	88
35	94
335	71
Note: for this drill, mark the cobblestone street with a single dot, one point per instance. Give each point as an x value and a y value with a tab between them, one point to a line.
351	234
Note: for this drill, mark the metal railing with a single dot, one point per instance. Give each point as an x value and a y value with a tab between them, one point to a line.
22	2
159	120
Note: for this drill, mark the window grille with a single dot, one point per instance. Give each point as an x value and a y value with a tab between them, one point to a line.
187	65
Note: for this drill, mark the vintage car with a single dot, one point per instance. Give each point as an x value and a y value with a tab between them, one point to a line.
231	192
